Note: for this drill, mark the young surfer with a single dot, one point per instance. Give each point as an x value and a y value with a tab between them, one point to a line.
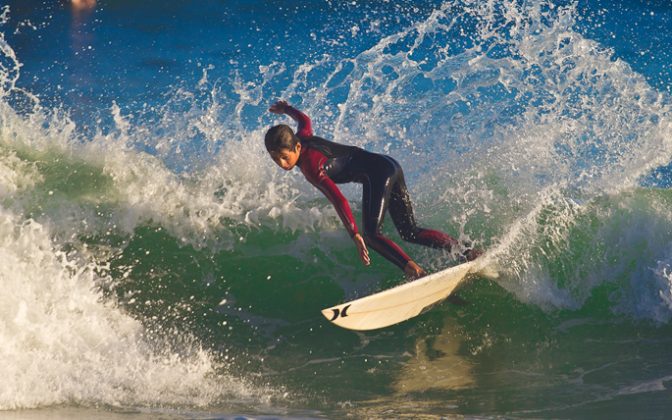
325	164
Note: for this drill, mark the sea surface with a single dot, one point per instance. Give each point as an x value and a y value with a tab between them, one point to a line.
155	263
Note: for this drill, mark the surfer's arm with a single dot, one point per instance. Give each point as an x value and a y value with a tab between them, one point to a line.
305	126
334	195
312	168
341	204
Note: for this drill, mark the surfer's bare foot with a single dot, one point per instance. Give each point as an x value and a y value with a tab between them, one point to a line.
413	271
472	254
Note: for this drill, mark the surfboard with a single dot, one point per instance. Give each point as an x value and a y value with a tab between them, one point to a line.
402	302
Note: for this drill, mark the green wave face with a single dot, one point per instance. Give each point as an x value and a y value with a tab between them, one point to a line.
578	282
583	292
157	259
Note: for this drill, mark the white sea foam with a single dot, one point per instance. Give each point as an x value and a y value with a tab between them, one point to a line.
529	127
526	127
62	344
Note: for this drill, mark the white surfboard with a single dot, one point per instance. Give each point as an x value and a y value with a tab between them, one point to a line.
400	303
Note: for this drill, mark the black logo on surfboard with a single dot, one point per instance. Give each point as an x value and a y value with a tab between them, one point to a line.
340	313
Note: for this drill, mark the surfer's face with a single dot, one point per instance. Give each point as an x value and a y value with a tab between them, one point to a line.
286	158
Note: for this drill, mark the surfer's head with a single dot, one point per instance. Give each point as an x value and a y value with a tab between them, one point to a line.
283	146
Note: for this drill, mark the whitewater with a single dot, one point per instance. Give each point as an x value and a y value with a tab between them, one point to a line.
155	262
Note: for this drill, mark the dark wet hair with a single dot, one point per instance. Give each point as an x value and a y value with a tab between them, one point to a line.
280	137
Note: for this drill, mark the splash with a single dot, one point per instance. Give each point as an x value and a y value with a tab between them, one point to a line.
513	128
61	344
63	341
513	124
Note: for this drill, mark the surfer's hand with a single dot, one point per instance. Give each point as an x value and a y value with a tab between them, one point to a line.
361	248
279	107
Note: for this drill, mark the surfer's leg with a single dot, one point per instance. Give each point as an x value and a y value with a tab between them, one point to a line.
403	217
401	210
376	194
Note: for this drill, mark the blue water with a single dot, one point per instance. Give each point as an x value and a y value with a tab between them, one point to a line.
155	262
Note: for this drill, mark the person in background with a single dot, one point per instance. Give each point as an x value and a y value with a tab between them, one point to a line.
83	4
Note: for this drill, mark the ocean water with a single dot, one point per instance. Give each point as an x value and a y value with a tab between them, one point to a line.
155	263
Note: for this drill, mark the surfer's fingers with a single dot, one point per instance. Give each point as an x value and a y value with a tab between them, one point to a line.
362	249
364	254
365	257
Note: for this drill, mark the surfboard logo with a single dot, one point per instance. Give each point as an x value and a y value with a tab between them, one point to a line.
339	313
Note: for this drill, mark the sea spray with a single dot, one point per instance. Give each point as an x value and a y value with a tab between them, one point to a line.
515	129
64	340
62	344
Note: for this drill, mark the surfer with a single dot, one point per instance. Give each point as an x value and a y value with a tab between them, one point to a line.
325	164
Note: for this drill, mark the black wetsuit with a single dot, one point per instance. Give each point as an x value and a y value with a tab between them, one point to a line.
325	163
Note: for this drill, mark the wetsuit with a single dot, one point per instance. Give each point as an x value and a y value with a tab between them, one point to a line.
325	164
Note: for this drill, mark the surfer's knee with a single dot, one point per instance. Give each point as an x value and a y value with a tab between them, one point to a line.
370	235
374	238
409	235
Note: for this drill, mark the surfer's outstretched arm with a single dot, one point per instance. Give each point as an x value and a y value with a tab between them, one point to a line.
305	128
